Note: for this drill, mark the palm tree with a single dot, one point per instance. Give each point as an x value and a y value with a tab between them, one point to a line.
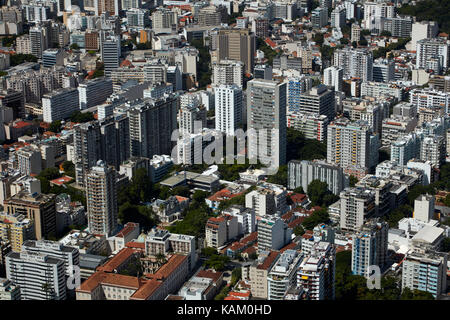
161	258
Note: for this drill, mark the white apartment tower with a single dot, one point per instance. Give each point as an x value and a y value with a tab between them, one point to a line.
60	104
94	92
40	276
355	62
429	48
228	72
356	205
229	105
332	77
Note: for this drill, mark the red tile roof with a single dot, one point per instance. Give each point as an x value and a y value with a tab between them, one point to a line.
117	260
170	266
129	227
99	278
268	261
21	124
215	276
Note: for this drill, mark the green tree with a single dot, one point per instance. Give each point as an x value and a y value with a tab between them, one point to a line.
317	217
299	231
352	180
81	117
217	262
137	213
397	214
301	148
280	177
74	46
19	58
319	195
409	294
299	190
203	65
269	53
55	126
446	245
69	168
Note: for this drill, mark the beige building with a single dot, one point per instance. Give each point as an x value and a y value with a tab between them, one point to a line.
237	44
259	273
41	208
23	44
101	194
111	286
220	230
16	228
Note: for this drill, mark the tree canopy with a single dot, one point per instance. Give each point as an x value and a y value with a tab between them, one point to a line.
300	148
430	10
319	195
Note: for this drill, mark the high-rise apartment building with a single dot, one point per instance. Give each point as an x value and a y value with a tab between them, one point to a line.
70	255
266	114
60	104
111	52
332	77
283	274
101	196
355	62
229	108
352	144
319	17
398	26
16	228
260	27
51	57
94	92
39	41
228	72
210	16
369	247
273	234
164	19
237	44
319	101
431	47
384	71
301	173
151	125
432	148
41	208
374	12
296	86
425	272
87	142
423	30
338	16
192	114
357	204
316	273
313	126
39	276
